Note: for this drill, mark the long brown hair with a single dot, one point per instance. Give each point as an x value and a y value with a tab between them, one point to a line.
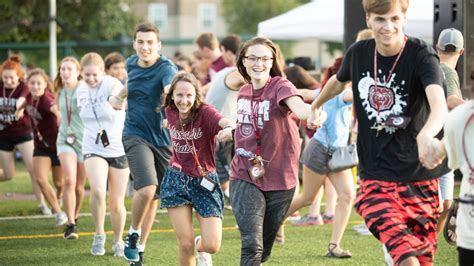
277	67
42	73
58	83
198	102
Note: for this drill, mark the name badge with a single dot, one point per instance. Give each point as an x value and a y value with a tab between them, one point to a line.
208	183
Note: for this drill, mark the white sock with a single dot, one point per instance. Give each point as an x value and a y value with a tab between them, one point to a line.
141	248
131	231
226	193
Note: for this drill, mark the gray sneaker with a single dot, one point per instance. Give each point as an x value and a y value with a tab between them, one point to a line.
97	248
61	218
117	248
44	209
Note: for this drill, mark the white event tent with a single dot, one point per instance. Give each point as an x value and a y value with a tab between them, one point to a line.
324	20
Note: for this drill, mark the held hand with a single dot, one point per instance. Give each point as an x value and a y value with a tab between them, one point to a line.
428	153
317	119
165	123
116	102
225	135
20	113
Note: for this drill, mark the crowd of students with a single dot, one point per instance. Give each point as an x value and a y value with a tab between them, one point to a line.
224	129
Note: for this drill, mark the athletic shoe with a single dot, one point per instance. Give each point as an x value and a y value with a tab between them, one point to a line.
61	218
131	247
140	262
308	220
45	210
97	248
70	232
202	258
117	248
294	216
327	218
361	229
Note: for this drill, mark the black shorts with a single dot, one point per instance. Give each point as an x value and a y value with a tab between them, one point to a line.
115	162
8	144
52	155
147	162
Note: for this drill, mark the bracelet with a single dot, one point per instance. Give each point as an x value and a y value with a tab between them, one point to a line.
229	126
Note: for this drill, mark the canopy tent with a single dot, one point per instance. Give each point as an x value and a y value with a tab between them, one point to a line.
324	20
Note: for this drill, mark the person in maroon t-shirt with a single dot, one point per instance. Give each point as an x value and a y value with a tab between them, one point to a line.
264	170
191	180
208	46
44	113
15	127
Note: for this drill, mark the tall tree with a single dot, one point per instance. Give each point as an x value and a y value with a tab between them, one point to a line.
79	20
243	16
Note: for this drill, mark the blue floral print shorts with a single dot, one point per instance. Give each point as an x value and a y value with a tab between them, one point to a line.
179	189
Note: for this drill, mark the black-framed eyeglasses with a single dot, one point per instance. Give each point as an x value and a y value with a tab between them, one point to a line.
254	59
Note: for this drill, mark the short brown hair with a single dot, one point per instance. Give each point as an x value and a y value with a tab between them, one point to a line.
113	58
207	39
198	102
383	6
146	27
277	67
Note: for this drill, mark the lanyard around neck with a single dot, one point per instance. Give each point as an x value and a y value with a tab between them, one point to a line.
68	107
391	69
193	148
471	166
254	117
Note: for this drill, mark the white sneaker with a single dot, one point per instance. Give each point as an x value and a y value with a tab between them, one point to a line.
202	258
97	248
117	248
61	218
44	209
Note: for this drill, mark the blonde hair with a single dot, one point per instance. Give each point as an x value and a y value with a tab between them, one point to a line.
93	59
365	34
58	83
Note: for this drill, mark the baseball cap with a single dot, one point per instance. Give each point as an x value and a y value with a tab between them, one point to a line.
450	40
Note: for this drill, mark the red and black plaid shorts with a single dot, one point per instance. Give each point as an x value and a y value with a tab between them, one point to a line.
403	216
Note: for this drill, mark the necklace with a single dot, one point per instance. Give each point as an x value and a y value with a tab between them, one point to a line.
379	125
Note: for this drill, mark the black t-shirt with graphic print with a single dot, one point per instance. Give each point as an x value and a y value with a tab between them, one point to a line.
393	154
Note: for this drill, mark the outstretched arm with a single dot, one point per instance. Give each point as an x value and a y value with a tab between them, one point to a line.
332	88
426	141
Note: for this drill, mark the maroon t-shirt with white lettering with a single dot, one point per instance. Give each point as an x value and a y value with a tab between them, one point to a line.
11	127
280	143
43	120
201	133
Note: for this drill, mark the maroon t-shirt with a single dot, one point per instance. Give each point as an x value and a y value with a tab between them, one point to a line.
43	120
215	67
201	133
280	143
10	126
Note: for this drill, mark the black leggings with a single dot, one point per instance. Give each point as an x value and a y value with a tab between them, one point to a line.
259	214
466	257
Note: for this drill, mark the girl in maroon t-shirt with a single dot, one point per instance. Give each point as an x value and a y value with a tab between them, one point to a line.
264	170
15	127
43	111
191	180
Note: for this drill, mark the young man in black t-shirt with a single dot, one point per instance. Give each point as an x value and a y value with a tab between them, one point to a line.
400	107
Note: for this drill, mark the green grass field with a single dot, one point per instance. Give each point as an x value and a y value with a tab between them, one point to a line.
39	242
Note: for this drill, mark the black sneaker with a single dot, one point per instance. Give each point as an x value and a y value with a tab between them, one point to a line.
140	262
131	247
70	232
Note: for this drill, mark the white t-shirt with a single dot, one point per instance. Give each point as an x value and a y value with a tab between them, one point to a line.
112	121
455	132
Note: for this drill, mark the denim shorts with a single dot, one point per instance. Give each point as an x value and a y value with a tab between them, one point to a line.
179	189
